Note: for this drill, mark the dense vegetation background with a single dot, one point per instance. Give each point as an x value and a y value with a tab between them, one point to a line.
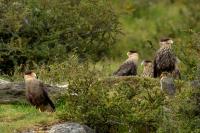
82	42
44	32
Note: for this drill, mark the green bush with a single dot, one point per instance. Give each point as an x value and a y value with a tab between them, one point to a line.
145	22
188	45
120	104
135	104
44	31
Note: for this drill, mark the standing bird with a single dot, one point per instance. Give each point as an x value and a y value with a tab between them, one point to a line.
165	60
129	67
148	68
36	93
167	83
176	73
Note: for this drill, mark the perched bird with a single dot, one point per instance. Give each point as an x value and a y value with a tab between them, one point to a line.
147	69
129	67
167	83
176	73
165	59
36	93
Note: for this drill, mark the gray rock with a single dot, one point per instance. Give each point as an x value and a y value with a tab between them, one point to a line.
70	128
167	85
195	83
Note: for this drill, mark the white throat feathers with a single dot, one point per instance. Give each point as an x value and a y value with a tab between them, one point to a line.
134	57
31	76
166	44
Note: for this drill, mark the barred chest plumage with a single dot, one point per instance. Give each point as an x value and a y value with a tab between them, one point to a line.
148	71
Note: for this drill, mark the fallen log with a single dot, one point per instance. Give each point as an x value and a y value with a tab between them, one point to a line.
11	92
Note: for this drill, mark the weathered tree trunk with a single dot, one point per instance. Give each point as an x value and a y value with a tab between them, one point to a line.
11	92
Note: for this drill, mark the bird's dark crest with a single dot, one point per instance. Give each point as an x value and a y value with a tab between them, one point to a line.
132	51
165	39
147	61
28	72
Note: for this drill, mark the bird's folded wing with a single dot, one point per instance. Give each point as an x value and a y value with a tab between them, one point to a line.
126	69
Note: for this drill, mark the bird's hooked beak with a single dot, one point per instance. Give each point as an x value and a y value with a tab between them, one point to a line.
170	41
34	75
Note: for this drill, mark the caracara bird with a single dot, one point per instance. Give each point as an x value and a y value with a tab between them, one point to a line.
165	60
147	69
176	73
36	93
167	83
129	67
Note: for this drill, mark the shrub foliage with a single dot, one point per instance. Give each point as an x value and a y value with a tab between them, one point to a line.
126	104
42	31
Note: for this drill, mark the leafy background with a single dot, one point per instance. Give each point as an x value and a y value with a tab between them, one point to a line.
81	42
